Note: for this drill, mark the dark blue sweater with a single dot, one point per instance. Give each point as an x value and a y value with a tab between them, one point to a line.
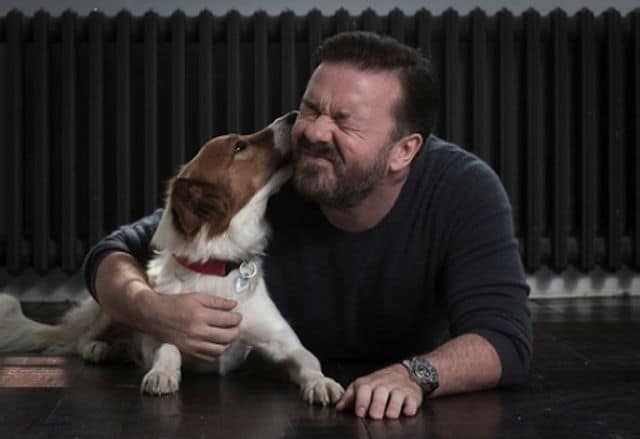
443	262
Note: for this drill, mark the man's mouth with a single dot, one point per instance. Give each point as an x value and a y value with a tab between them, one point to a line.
315	154
317	159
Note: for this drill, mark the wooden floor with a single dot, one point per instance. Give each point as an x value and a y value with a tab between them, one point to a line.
584	383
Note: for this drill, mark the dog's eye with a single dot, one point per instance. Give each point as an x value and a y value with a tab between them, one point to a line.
240	146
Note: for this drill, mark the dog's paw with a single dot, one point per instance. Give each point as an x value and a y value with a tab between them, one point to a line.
321	390
95	351
159	382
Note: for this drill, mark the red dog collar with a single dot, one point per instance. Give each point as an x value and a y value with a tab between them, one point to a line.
213	267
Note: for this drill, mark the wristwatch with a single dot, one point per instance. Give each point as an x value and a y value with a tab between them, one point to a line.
423	373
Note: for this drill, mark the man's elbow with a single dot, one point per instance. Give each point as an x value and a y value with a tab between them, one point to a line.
516	369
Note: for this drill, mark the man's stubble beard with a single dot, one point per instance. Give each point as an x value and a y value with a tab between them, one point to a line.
346	186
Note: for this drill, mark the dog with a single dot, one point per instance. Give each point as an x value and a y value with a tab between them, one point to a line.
214	212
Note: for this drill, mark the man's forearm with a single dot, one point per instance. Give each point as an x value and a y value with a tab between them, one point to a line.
123	290
465	363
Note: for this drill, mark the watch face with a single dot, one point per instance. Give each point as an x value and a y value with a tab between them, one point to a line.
425	373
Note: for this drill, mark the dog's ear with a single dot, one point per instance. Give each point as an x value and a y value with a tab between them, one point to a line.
195	203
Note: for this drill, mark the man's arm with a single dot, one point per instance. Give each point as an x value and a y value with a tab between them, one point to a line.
484	296
465	363
198	324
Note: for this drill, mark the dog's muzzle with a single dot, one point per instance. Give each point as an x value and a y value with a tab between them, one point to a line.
282	132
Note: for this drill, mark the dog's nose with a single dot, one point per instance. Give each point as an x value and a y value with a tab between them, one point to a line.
291	117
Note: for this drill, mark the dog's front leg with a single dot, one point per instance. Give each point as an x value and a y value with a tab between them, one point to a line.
165	361
303	367
270	333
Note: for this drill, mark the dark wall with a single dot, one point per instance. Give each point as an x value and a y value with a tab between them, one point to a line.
97	112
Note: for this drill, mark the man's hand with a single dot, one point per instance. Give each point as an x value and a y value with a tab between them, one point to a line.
385	393
199	325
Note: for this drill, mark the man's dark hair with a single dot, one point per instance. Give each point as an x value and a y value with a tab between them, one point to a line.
418	107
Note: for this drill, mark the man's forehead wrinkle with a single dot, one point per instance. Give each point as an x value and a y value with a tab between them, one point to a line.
328	106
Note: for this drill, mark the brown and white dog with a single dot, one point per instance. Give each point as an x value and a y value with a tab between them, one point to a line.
214	212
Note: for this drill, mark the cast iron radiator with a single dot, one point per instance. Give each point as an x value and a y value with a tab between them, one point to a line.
97	112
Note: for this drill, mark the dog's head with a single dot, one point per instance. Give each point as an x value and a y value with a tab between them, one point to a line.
225	175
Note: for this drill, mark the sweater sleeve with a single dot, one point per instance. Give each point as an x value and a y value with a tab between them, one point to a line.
134	238
484	282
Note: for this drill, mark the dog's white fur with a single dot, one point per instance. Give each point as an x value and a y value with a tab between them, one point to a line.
262	326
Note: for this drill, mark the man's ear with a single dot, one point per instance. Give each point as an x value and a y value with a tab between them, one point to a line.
404	151
195	203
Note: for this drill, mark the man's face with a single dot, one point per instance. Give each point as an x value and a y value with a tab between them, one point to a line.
341	142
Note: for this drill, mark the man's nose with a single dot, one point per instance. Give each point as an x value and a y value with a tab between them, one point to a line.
319	130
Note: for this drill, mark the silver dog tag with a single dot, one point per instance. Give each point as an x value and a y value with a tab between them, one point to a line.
248	269
241	284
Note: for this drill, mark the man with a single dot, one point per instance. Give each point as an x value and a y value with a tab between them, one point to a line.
389	245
